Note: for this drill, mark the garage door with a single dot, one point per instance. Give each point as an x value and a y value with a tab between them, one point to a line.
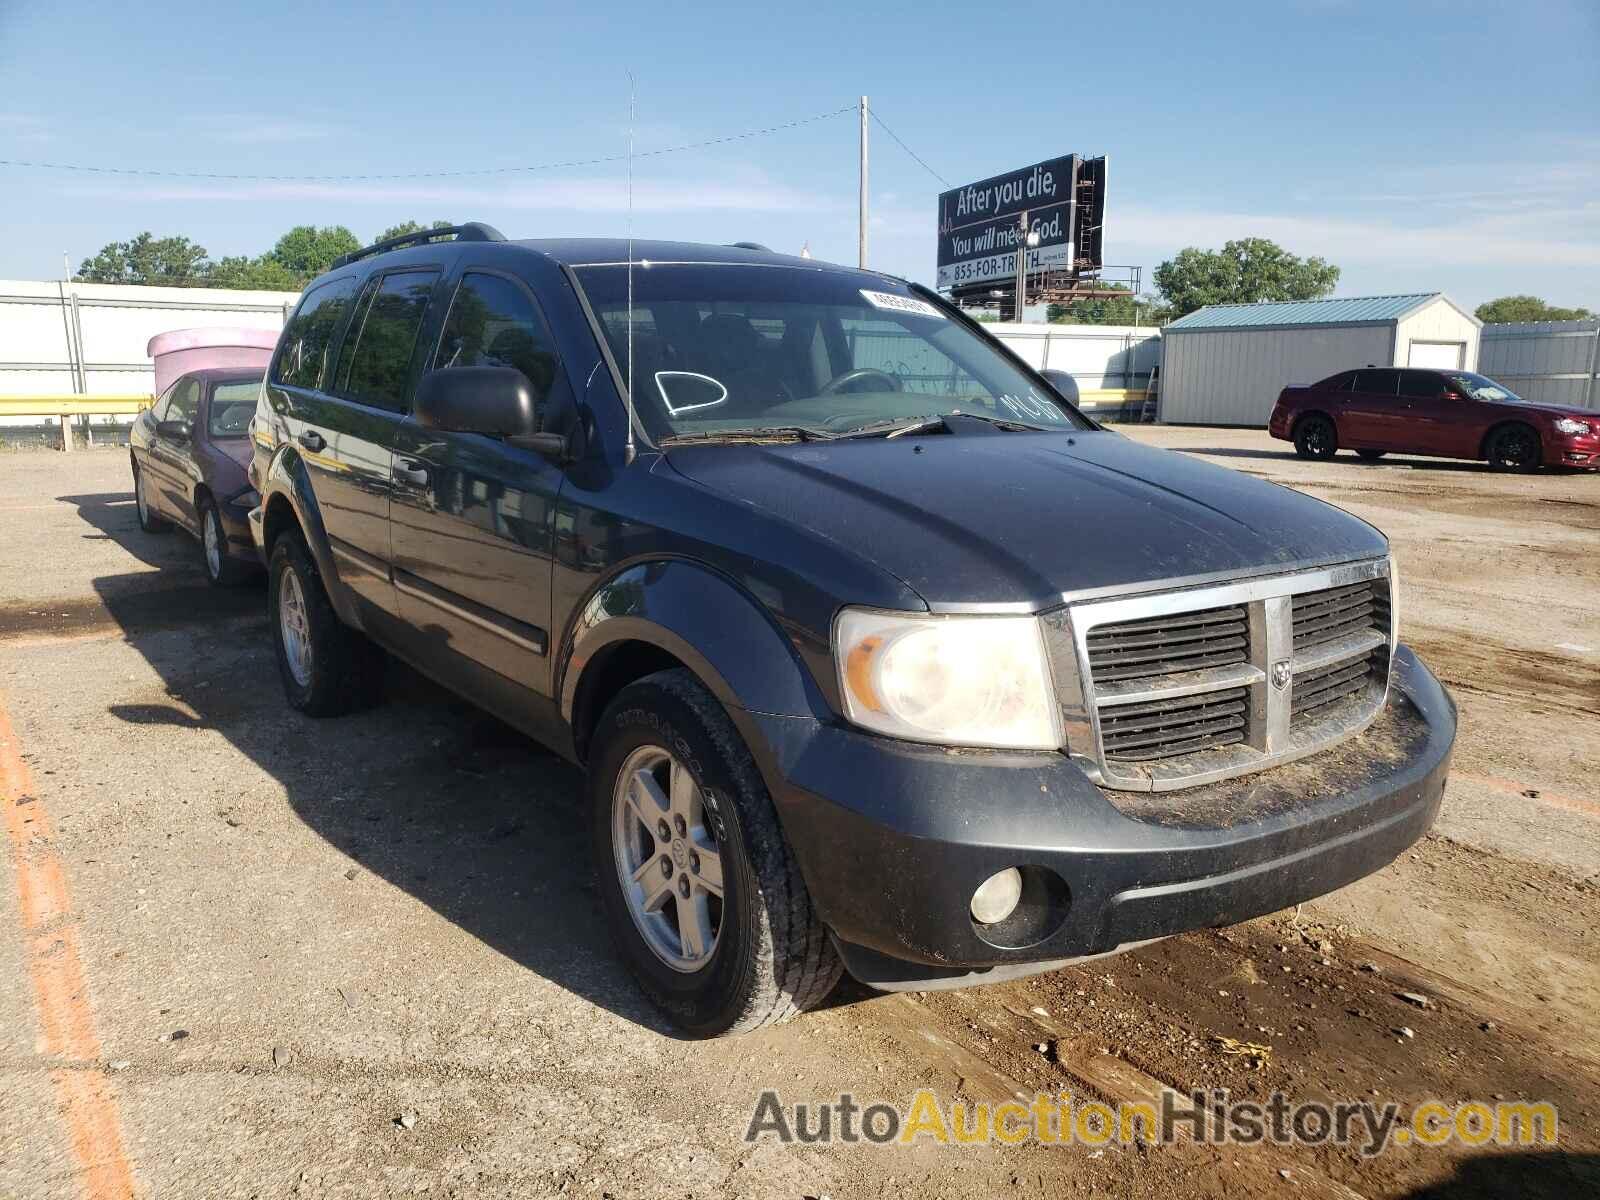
1440	356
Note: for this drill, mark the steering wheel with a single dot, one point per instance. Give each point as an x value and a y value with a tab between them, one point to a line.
839	382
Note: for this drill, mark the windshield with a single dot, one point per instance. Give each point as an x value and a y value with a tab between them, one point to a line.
232	404
719	349
1480	387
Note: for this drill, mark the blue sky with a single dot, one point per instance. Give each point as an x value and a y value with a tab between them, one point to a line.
1417	145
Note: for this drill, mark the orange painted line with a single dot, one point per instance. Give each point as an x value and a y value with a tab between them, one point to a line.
60	987
1552	799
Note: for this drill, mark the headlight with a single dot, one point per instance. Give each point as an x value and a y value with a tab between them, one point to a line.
1568	425
964	680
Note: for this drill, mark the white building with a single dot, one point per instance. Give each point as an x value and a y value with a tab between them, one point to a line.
1226	363
1548	362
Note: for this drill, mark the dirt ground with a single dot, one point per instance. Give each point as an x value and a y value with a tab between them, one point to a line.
237	946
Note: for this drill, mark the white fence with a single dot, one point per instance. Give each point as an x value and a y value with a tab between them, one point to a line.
1549	362
1099	357
89	338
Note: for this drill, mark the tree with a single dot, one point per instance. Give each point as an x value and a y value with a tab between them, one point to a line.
306	251
148	259
1526	308
262	273
406	227
1109	310
1242	272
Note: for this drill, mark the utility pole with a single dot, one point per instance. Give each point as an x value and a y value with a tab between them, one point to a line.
862	241
1022	263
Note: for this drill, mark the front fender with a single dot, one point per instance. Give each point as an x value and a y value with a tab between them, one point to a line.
287	481
715	628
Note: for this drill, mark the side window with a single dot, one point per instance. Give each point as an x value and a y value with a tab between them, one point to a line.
1423	384
158	410
381	361
1378	382
494	323
341	374
185	402
303	350
1337	383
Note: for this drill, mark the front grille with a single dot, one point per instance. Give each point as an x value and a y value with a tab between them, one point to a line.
1168	728
1169	645
1315	690
1191	686
1332	613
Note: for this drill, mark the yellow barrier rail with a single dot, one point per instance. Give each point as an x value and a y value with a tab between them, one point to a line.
72	406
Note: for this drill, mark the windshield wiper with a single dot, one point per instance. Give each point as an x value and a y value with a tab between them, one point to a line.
902	426
753	433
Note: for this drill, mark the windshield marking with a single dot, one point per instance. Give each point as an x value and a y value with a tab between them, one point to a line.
678	409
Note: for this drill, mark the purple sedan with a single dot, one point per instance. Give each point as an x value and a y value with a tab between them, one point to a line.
190	449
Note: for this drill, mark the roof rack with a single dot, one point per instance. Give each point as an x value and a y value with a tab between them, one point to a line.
472	231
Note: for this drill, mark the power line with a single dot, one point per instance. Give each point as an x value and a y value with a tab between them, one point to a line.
549	166
873	113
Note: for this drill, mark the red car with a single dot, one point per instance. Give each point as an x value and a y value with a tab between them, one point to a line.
1444	414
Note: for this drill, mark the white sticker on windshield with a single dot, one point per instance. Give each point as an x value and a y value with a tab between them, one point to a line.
904	304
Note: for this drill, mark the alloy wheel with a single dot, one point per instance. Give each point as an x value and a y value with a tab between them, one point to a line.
294	626
667	858
213	545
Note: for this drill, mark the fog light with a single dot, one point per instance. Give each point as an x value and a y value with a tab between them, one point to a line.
997	896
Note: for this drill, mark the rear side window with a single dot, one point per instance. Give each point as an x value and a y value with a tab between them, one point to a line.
341	375
1336	383
1421	383
381	362
303	350
494	323
1378	382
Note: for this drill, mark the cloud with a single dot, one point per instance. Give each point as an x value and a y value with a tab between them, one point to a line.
748	192
1562	237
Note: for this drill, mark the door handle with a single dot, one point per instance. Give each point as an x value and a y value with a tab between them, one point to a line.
311	440
409	470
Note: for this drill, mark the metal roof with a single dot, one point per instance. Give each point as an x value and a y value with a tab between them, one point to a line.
1348	310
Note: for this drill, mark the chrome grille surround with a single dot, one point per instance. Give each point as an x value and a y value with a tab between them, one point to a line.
1176	703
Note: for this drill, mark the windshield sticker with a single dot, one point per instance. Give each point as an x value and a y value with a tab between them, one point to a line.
695	391
1032	408
901	304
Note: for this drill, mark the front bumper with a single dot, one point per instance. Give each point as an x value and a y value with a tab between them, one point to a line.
893	838
1567	450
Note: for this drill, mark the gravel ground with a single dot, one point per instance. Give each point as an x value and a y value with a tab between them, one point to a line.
247	944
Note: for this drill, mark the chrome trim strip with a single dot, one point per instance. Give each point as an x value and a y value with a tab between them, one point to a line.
1353	645
359	559
1210	679
1273	572
515	632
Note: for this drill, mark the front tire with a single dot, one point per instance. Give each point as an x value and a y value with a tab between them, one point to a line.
148	521
1315	438
1515	448
221	569
701	891
327	668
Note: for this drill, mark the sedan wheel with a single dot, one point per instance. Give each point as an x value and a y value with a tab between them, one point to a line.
148	521
1316	438
1515	449
667	858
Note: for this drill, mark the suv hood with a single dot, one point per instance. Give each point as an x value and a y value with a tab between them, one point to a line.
972	520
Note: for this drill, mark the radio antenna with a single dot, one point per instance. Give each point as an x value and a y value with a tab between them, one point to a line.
632	96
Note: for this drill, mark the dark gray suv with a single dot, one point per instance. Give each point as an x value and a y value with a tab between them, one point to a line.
878	654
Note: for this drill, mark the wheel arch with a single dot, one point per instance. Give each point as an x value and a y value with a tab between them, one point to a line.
1501	426
1300	419
662	615
287	502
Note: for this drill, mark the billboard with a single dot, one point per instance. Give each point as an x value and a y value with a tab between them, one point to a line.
980	224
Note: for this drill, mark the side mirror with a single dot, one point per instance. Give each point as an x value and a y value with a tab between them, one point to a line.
1064	384
174	431
494	400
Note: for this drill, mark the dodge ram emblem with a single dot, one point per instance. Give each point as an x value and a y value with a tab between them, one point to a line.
1280	674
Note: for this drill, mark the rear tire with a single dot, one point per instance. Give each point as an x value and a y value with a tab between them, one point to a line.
1515	448
221	569
1370	455
327	668
1315	438
148	521
753	956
